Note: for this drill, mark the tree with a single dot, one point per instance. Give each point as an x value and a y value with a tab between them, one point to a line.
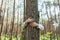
0	16
3	6
31	10
59	4
50	21
13	19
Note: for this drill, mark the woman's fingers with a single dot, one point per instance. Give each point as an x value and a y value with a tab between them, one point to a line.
29	20
34	24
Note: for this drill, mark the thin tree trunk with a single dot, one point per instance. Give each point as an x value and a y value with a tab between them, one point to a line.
49	20
2	18
6	24
13	19
59	4
17	25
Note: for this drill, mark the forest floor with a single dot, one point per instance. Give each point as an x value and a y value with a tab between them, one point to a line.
42	37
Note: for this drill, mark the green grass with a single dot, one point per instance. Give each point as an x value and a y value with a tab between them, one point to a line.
42	37
47	36
7	37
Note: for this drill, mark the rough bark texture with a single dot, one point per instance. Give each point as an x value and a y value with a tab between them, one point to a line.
31	10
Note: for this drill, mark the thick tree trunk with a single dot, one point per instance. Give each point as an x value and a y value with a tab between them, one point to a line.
31	10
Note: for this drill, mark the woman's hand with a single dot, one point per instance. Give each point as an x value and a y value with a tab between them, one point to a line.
34	24
29	20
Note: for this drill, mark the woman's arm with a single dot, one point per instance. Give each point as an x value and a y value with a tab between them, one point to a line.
40	26
29	20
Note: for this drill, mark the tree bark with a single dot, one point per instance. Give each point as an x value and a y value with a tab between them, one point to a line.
31	10
13	20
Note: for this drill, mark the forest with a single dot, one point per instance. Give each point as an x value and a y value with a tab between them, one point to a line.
13	14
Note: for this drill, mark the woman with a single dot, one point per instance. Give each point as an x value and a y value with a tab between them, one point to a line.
33	24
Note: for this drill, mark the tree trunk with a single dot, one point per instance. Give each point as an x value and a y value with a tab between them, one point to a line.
31	10
13	20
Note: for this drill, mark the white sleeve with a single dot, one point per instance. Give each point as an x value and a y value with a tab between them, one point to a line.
40	26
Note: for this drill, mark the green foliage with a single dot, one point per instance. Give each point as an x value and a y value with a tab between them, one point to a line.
48	35
7	37
42	36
